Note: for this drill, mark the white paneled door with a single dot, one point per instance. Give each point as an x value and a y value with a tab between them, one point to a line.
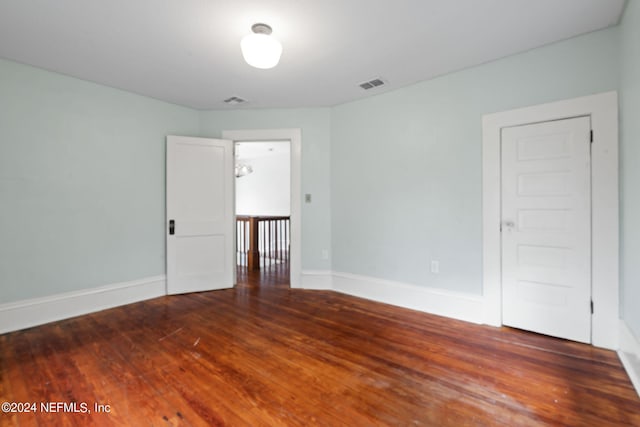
546	228
200	214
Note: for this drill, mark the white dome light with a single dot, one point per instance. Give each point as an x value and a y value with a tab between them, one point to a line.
260	49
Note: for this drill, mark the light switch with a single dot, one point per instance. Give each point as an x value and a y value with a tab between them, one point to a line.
435	266
307	198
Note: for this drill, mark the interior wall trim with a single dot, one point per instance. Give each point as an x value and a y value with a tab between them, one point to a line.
38	311
629	354
469	308
316	279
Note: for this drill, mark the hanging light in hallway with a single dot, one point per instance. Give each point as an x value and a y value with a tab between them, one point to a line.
243	169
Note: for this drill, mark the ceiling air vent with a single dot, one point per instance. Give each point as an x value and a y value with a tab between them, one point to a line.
377	82
234	100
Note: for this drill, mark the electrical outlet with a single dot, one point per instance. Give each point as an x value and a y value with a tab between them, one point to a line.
435	266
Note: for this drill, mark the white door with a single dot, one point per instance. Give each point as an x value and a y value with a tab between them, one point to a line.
200	214
546	228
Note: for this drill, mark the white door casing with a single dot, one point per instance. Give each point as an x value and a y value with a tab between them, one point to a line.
546	228
200	214
295	137
603	110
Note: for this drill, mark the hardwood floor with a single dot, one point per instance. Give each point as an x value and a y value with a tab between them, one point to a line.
265	355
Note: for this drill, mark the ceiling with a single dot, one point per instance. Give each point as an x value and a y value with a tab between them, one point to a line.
255	150
187	52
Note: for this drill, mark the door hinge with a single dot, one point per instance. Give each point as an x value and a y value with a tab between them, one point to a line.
591	306
591	137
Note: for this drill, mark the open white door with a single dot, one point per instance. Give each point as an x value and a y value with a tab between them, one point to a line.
200	214
546	228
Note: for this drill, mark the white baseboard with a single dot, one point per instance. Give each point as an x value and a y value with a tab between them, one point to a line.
316	279
435	301
629	354
459	306
37	311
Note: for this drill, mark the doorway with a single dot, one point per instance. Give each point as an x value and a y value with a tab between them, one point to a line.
294	138
602	110
263	212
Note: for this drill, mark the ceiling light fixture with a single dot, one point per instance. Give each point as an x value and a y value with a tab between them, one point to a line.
260	49
243	169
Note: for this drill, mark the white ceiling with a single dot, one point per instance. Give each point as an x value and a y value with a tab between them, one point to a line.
188	51
248	151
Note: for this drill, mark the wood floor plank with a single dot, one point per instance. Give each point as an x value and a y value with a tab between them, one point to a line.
262	354
9	372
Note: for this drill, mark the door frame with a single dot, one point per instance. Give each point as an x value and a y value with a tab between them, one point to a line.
603	111
295	138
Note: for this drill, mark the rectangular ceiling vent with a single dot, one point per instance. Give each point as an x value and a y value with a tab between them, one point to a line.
235	100
377	82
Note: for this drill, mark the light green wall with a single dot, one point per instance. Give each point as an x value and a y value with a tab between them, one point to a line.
315	125
81	182
406	165
630	165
